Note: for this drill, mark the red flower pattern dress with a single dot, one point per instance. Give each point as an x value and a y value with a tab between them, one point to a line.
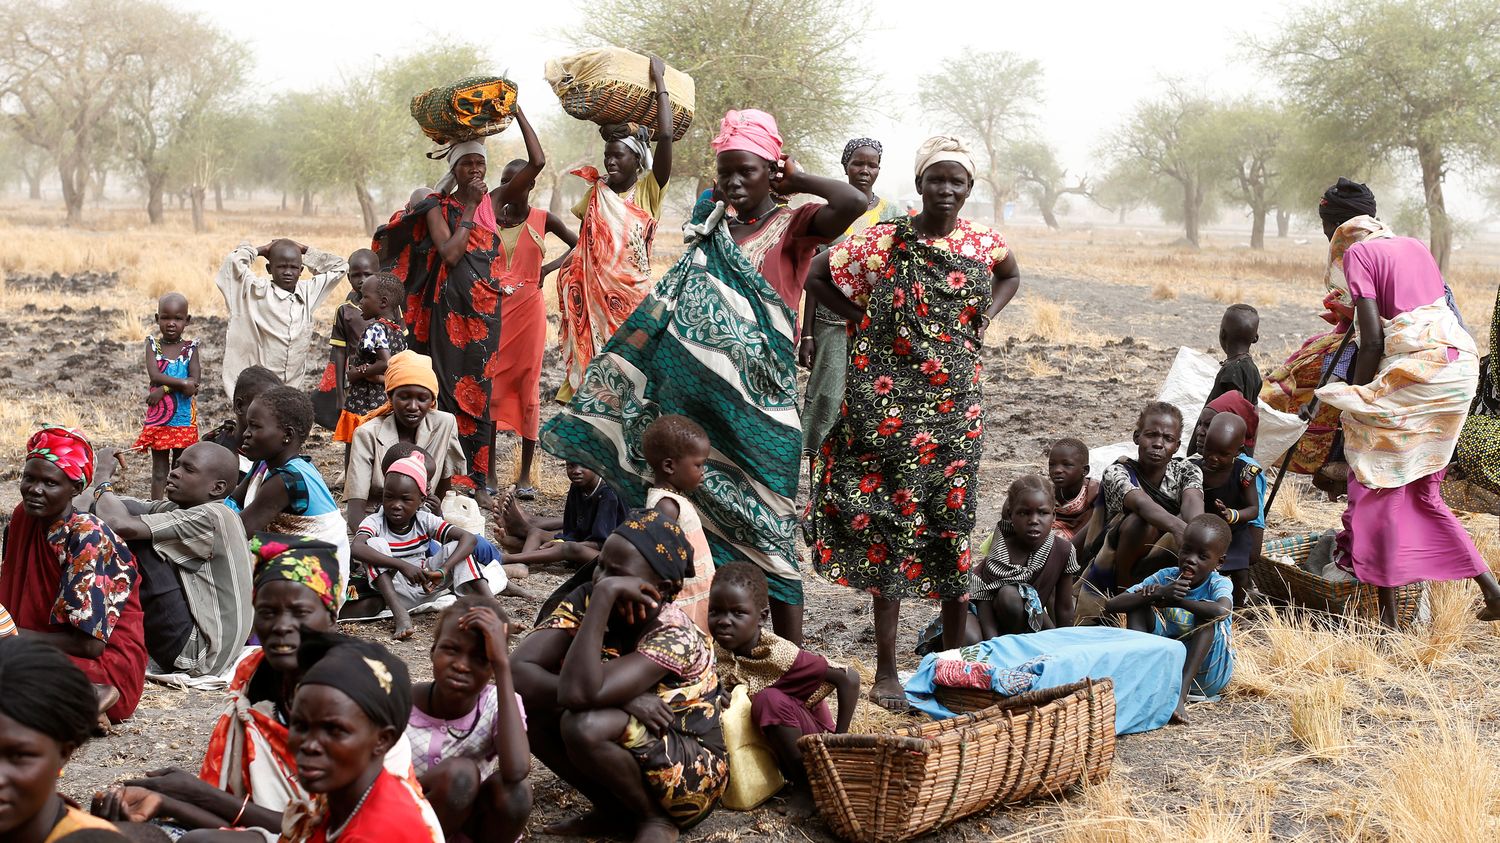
895	497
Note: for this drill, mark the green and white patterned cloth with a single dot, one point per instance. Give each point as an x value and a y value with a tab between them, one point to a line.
713	342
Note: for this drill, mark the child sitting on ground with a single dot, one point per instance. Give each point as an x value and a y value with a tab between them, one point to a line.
283	486
1234	487
787	685
172	370
676	447
1068	468
380	308
591	512
271	319
1238	330
348	327
247	387
468	730
395	545
1146	499
1026	582
1192	603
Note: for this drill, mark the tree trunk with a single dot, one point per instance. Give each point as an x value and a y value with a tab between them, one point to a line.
74	179
1283	223
1122	215
97	184
155	184
198	194
366	206
1258	228
1190	206
1047	204
1441	228
307	205
219	197
555	203
33	184
283	200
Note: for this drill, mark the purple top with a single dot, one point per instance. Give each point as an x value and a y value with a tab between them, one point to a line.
1398	273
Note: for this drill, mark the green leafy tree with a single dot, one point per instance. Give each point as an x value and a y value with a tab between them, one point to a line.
1033	164
1253	136
1125	187
988	99
1172	139
1412	80
796	59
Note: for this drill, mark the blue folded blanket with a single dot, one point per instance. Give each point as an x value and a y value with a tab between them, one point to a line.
1146	669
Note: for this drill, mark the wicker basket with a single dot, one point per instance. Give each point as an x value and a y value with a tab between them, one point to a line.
1290	584
896	787
469	109
611	85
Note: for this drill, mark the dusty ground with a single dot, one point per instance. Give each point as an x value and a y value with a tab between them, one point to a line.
1108	343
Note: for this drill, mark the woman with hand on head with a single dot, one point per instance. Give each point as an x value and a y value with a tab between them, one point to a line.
894	500
68	580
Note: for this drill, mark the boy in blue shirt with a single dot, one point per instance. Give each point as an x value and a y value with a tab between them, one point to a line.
1191	603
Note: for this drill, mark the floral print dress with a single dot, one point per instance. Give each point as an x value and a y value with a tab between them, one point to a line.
894	501
380	335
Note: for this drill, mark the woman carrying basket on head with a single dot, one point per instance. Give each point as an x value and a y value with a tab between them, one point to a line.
608	274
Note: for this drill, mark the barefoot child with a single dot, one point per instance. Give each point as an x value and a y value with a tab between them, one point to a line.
788	685
283	482
172	370
394	544
1192	603
467	729
348	327
1026	583
1068	468
1234	487
676	447
591	512
380	309
1238	330
271	319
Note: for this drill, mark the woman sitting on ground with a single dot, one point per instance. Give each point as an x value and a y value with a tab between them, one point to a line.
68	580
622	700
46	714
249	774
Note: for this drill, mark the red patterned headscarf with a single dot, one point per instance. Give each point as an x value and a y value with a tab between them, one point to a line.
66	448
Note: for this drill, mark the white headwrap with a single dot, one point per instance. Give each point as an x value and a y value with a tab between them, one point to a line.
455	154
940	148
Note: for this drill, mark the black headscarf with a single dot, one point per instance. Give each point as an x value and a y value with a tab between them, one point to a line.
1345	201
377	681
852	146
661	541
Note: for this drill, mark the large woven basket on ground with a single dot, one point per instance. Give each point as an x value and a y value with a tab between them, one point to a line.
471	108
1292	585
611	85
881	788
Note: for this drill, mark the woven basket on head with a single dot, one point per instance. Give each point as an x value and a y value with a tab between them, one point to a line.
611	85
471	108
886	788
1350	598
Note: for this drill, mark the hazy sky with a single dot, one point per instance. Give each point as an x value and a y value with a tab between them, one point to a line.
1099	58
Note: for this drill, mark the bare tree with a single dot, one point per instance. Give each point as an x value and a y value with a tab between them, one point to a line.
64	65
988	99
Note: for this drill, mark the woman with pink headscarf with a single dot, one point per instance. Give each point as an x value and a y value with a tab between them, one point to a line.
714	342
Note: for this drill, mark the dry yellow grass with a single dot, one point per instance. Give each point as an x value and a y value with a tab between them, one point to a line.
1317	719
1288	505
1046	320
1162	291
1439	786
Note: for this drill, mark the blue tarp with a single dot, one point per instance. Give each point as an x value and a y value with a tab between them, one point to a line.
1146	669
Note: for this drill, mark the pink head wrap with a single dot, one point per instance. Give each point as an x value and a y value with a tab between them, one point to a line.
750	130
413	466
65	448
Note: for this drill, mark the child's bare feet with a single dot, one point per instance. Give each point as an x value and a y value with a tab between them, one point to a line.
513	590
510	514
107	696
656	830
888	694
516	571
1491	611
593	824
1179	717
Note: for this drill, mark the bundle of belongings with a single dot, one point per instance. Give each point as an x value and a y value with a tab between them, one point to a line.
469	109
610	86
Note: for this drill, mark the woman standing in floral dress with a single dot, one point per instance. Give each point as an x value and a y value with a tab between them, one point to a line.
894	501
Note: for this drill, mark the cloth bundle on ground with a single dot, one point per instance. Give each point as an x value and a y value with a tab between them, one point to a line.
473	107
1186	387
1146	669
613	85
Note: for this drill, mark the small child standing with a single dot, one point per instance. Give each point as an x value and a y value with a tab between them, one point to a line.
676	448
402	538
348	327
1026	582
383	336
1234	487
1068	468
1192	603
1238	330
468	729
172	369
787	684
